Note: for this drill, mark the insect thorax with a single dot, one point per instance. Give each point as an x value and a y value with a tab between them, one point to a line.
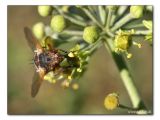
48	59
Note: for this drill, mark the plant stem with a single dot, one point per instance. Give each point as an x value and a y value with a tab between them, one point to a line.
89	14
127	79
72	32
113	18
108	23
73	39
142	32
126	107
71	19
96	46
121	22
133	26
121	10
130	86
109	18
110	34
102	14
93	46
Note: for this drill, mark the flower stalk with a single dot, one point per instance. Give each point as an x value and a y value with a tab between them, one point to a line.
126	78
142	32
71	19
121	22
91	16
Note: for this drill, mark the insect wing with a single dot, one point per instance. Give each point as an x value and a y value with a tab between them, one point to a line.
36	83
32	41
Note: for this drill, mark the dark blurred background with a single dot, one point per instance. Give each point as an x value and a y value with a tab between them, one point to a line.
101	78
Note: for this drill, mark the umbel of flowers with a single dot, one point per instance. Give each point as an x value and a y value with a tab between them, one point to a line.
90	27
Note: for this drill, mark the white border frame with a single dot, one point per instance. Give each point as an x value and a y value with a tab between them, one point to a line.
3	57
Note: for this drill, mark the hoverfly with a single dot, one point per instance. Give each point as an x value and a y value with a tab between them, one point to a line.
45	60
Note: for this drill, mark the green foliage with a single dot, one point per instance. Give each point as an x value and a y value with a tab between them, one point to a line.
44	10
58	23
38	30
91	34
136	11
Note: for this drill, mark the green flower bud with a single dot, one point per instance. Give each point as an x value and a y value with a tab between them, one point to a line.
65	8
58	23
91	34
44	10
38	30
136	11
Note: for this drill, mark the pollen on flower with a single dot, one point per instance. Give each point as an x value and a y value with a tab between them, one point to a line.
50	77
79	70
116	50
53	81
71	55
60	77
111	101
129	55
65	84
123	41
75	86
137	44
69	77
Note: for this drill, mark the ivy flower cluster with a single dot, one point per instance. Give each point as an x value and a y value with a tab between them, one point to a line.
88	28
